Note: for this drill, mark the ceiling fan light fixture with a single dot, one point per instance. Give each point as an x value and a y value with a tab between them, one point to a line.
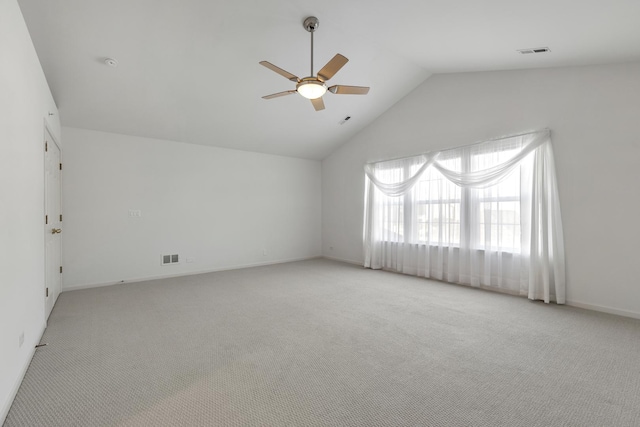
311	89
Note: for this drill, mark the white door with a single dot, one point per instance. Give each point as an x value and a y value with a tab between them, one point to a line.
53	223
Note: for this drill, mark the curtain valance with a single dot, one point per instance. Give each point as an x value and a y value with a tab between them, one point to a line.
473	179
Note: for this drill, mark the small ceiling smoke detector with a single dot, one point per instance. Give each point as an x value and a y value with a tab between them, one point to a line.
111	62
534	50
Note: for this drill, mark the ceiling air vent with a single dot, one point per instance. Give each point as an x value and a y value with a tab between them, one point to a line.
534	50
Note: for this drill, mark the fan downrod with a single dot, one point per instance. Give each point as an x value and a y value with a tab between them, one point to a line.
311	24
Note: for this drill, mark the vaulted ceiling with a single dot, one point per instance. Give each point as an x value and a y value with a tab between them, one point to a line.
188	70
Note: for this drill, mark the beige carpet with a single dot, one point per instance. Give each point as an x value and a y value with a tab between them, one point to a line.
320	343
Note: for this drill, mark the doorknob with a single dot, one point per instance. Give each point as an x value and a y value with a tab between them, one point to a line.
56	230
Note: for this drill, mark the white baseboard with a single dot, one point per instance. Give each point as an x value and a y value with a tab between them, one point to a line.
186	273
604	309
593	307
348	261
16	386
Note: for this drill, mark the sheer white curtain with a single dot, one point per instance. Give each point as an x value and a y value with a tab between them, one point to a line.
486	215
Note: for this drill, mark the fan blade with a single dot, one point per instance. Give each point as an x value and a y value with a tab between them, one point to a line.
332	67
276	95
280	71
318	104
349	90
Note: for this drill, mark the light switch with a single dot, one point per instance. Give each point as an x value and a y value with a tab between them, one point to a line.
135	213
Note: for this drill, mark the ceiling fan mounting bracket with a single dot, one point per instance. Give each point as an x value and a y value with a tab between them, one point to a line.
311	24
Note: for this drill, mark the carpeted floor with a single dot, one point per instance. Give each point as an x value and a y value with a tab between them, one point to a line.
320	343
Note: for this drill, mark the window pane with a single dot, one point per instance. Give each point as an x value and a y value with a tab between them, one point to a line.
437	209
432	213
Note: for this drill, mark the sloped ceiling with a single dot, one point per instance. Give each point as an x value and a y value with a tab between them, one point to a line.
188	70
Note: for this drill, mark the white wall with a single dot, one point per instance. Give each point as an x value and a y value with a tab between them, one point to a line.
218	207
594	115
25	101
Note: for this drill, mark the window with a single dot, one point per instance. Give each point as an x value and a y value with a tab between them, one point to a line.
486	215
498	213
437	214
431	213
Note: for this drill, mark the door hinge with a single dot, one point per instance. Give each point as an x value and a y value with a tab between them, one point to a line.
60	166
60	269
60	217
46	293
46	219
46	146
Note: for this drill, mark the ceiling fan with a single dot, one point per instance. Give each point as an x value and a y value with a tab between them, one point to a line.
313	87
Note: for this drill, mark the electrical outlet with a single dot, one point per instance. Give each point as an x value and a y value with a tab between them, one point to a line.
21	339
264	252
190	260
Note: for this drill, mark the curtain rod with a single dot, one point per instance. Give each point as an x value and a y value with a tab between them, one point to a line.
461	146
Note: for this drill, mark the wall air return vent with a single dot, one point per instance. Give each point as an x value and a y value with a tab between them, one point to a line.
534	50
170	259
